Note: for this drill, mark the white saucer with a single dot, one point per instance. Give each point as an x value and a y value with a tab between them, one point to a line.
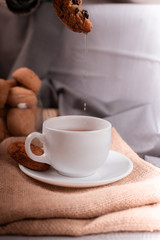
117	166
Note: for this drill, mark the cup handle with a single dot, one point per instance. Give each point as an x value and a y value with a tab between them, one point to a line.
30	137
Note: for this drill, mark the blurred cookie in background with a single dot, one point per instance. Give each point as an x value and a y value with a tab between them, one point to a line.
27	78
19	95
4	89
21	122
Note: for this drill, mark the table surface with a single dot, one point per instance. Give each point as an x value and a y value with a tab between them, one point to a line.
109	236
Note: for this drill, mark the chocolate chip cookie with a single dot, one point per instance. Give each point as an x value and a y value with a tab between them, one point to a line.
72	15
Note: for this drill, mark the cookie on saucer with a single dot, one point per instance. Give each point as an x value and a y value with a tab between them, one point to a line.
17	151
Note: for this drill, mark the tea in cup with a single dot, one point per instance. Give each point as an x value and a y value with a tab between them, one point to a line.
75	146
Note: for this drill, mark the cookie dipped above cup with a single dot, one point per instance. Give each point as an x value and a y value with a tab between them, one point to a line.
72	15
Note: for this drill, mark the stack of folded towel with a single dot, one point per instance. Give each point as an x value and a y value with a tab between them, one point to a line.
30	207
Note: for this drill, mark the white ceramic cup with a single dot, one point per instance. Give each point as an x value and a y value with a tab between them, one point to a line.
75	146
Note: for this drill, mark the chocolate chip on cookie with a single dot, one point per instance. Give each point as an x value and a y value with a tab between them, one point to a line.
77	2
17	151
72	15
85	13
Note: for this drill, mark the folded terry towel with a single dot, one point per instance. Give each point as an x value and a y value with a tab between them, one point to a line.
30	207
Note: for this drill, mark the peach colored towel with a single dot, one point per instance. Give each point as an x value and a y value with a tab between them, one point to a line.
30	207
